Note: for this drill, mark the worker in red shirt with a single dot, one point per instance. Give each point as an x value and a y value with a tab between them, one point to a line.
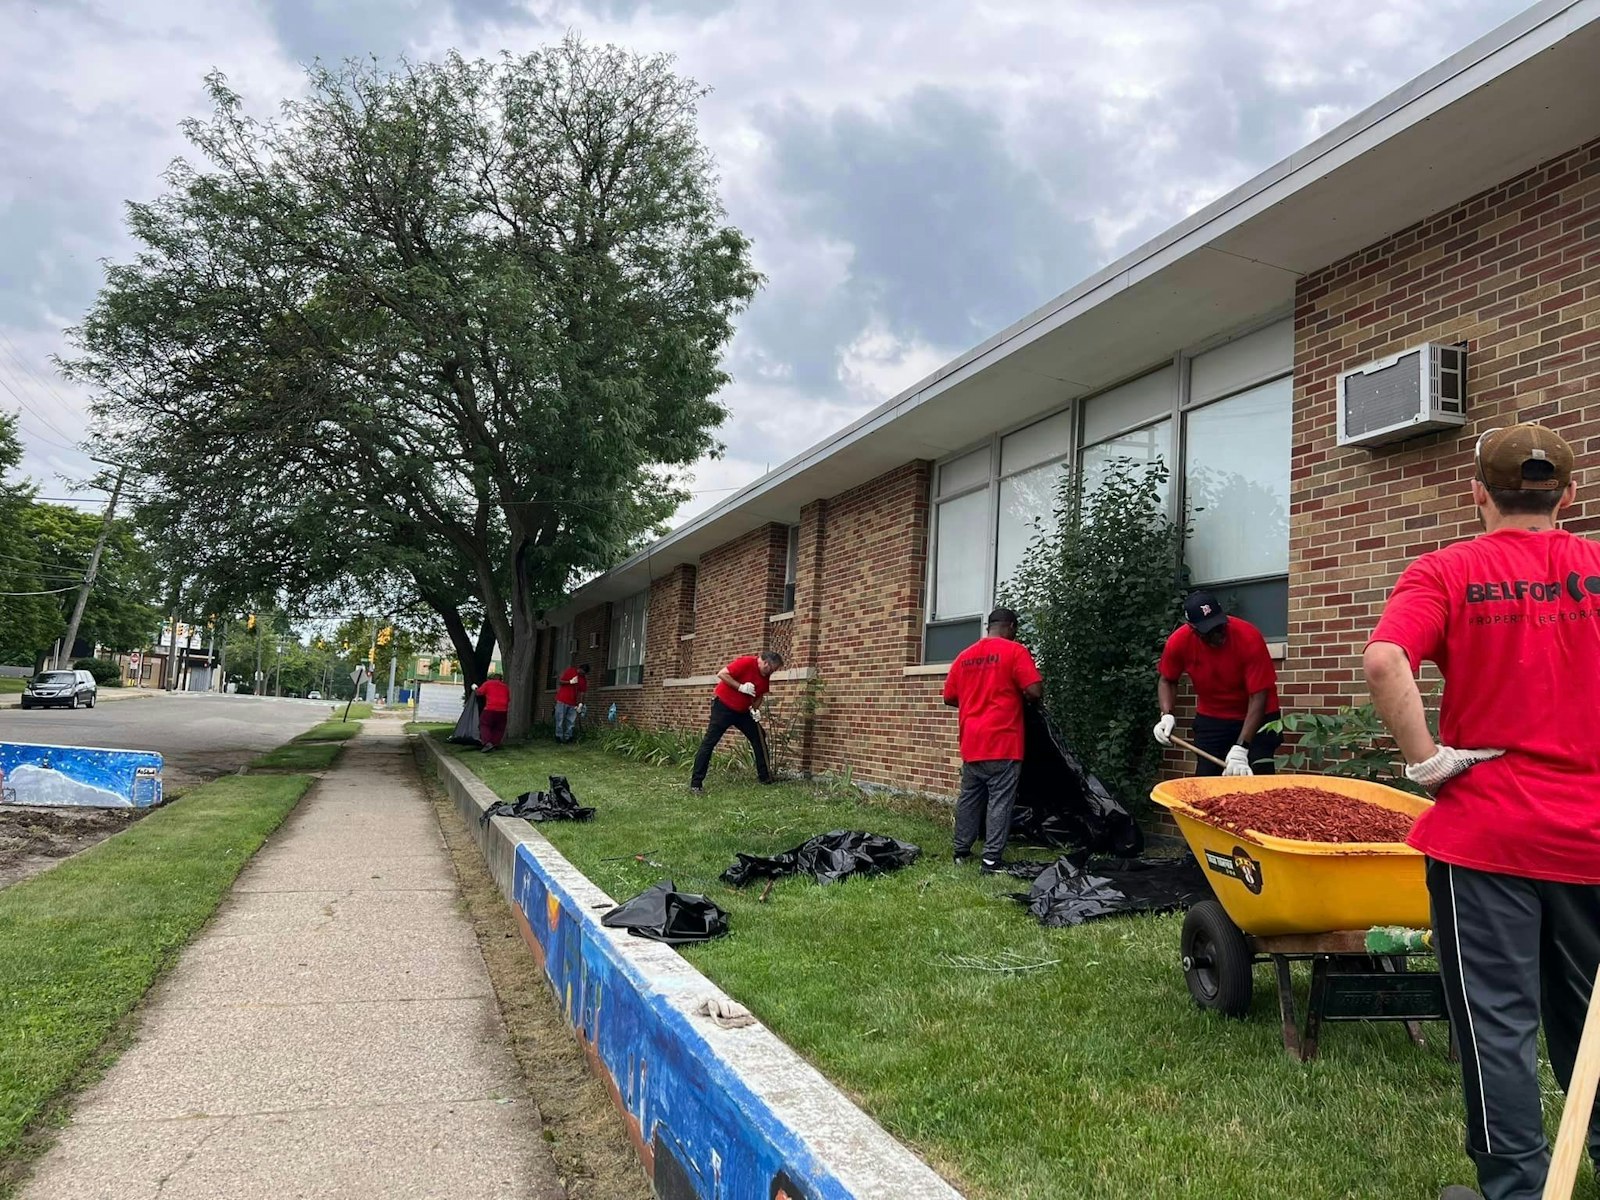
1512	620
1235	688
737	704
570	690
987	685
496	699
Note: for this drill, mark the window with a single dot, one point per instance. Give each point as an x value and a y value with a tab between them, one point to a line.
791	569
562	645
989	506
625	655
1152	444
1236	491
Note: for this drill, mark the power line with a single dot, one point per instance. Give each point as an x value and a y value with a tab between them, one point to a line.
16	356
45	566
51	592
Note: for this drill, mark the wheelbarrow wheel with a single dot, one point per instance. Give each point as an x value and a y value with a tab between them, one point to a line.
1216	960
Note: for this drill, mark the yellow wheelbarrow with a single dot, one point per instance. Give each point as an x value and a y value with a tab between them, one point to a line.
1284	901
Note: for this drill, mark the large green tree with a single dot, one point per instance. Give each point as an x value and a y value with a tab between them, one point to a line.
27	609
482	303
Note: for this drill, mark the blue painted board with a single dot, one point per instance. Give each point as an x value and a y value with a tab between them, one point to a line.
79	776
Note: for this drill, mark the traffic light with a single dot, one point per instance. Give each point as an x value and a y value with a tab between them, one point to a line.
385	635
250	623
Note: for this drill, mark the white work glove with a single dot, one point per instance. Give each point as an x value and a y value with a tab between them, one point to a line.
1237	762
749	689
1163	729
1446	763
755	715
582	708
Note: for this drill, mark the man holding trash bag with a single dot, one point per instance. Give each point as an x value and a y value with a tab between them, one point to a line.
1235	688
987	686
570	689
737	704
1512	620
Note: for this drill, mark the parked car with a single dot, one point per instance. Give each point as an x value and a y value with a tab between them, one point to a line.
313	695
67	689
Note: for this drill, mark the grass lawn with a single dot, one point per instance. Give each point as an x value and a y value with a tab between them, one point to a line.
1094	1076
299	756
331	731
10	686
80	944
359	711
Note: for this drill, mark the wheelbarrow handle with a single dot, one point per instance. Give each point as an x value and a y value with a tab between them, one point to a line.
1195	750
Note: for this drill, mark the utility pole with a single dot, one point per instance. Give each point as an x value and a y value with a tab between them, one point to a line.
94	566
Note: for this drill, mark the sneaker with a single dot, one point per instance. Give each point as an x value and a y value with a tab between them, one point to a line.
992	866
696	790
961	857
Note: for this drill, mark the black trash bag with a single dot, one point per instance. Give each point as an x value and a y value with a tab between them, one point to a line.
558	804
1060	803
1078	888
827	858
664	914
466	731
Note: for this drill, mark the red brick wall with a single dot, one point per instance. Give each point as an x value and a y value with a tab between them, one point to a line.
1514	273
860	604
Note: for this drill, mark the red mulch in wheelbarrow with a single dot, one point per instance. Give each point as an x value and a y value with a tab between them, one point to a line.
1305	814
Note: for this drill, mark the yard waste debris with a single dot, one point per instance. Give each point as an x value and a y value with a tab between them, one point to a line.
664	914
466	731
1305	814
827	858
1060	802
558	804
1078	888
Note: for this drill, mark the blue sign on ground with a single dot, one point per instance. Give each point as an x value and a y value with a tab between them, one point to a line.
78	776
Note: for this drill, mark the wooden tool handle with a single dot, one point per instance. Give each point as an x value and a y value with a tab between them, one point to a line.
1570	1140
1195	750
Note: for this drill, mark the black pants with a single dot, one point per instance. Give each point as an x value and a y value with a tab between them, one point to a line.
1216	736
722	717
1513	951
988	794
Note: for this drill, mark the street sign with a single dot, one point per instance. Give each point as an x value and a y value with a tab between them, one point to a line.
260	675
134	660
359	676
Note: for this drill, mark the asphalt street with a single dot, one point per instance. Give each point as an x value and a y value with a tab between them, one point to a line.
199	735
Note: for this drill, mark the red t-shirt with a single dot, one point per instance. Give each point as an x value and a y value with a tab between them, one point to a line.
1223	676
496	695
986	682
571	686
1512	620
745	670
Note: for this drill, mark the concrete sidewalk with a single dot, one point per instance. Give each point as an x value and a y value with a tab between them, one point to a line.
331	1033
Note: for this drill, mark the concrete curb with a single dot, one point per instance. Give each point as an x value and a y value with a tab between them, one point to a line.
714	1113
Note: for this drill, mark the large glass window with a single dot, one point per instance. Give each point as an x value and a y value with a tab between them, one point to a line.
625	654
791	569
562	645
1150	445
1236	492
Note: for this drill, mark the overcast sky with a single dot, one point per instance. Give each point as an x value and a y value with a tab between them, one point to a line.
915	174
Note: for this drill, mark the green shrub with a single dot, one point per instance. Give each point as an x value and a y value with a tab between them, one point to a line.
107	672
1351	742
1098	596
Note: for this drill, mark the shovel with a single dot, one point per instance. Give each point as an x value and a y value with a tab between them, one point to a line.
1568	1154
1195	750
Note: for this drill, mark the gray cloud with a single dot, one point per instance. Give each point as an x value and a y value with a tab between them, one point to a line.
915	176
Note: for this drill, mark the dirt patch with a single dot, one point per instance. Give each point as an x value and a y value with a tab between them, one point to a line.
584	1132
33	839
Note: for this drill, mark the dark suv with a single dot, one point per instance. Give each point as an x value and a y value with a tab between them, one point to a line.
68	689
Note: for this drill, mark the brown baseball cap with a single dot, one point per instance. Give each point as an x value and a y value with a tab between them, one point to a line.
1527	458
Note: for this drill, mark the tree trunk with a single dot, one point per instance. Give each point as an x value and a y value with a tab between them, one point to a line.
522	660
482	653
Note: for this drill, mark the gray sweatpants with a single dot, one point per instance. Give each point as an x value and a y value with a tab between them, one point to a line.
988	790
1513	951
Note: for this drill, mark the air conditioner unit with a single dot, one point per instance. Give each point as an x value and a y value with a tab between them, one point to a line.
594	641
1417	391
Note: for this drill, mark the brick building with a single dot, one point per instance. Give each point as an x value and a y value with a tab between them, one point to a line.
1464	209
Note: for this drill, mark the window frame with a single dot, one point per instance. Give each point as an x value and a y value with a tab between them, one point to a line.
620	627
791	571
1182	479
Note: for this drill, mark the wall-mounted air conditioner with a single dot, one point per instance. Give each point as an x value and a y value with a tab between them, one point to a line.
594	641
1417	391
